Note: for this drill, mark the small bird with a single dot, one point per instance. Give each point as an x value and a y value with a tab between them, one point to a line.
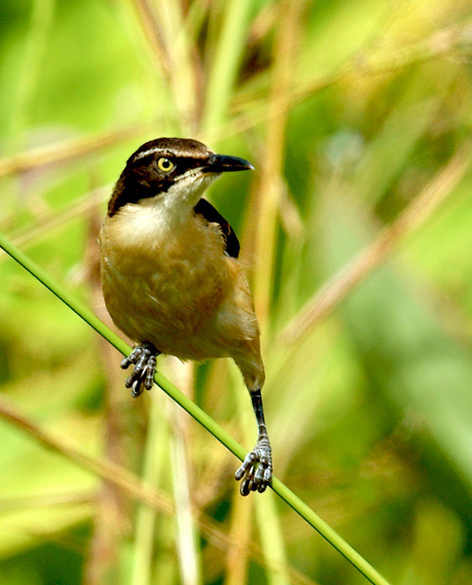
171	277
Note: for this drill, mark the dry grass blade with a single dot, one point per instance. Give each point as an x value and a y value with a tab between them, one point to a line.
186	538
42	500
147	22
269	191
60	153
373	256
174	56
237	556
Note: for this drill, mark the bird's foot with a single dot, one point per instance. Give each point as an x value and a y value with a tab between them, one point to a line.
143	357
256	469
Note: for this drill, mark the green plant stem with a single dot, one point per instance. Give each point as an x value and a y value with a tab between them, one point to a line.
229	52
198	414
145	515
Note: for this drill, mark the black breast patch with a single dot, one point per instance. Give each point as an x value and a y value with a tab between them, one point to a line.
206	210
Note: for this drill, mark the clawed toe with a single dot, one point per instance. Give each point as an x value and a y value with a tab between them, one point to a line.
143	357
256	469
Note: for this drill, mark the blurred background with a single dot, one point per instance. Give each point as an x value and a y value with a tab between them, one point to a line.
356	234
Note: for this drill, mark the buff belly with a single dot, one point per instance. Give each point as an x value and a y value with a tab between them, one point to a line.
175	295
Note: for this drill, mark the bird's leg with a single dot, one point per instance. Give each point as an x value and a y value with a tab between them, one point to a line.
256	469
143	357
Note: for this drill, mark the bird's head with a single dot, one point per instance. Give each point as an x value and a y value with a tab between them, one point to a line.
170	171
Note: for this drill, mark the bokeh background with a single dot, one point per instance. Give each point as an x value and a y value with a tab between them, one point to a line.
356	231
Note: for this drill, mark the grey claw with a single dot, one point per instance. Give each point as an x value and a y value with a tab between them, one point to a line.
245	489
136	391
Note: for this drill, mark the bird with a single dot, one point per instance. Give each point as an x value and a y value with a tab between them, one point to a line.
171	278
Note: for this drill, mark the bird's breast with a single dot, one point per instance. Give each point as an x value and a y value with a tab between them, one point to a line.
164	284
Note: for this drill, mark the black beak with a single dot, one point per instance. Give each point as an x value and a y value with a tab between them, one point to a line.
220	163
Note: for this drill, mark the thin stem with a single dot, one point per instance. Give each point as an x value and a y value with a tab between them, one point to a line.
196	412
145	515
67	151
270	190
229	52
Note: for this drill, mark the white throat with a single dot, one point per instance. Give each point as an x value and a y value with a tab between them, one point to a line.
156	218
183	195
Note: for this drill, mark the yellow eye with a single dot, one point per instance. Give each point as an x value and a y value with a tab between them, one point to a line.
165	165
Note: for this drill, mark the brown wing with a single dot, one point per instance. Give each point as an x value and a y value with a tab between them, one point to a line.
206	209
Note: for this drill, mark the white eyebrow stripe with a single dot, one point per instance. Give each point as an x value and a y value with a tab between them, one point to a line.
146	153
